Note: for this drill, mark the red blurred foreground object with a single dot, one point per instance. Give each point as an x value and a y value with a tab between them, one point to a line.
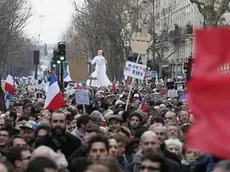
209	92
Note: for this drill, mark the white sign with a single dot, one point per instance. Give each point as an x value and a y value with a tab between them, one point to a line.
82	97
134	70
172	93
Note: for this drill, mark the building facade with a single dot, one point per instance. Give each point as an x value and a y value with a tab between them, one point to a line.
174	18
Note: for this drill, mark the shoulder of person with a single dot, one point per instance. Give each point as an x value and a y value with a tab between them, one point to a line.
172	164
72	137
43	140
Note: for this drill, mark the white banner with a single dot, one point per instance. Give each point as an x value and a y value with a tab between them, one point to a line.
134	70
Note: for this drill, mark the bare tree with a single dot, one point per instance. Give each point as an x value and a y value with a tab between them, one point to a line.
13	17
107	24
169	37
212	10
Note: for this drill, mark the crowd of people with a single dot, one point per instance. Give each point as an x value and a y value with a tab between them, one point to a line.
102	136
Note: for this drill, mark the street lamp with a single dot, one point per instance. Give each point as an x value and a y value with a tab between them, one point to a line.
58	62
153	31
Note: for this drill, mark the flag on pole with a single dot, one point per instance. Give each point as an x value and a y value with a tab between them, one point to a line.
54	99
66	77
143	105
114	84
9	85
209	94
7	100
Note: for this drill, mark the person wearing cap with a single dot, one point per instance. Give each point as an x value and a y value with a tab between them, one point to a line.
28	132
115	125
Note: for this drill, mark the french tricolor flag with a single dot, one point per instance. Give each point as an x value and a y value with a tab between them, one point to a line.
54	99
142	105
9	85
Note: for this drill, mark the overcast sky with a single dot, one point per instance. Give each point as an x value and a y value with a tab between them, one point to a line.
57	15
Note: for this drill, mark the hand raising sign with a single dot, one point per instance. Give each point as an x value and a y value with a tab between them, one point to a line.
140	40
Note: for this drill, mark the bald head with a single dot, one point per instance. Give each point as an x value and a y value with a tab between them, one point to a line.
148	134
149	141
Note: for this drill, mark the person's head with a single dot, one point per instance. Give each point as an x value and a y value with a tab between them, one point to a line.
105	105
184	116
189	155
43	151
96	117
2	122
149	142
6	166
174	146
160	130
135	120
110	163
47	152
157	120
42	164
222	166
28	130
122	141
98	147
41	130
17	141
100	52
126	116
28	109
170	117
153	162
58	123
19	157
113	148
173	131
83	122
45	121
115	123
90	131
5	136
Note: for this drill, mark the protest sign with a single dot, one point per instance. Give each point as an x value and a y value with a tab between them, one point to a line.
82	97
134	70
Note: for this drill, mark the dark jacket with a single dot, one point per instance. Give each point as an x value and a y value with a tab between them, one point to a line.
172	166
79	165
79	153
67	148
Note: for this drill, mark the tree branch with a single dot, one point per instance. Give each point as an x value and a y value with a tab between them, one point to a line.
197	2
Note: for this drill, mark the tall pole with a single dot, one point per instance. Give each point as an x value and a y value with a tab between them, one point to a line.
36	72
153	33
40	30
58	73
62	73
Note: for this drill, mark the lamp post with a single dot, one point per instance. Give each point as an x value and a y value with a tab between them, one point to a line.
61	60
153	31
58	70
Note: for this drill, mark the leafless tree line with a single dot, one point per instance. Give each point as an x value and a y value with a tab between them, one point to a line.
15	47
109	24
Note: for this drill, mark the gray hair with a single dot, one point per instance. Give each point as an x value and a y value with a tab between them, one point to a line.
44	151
96	116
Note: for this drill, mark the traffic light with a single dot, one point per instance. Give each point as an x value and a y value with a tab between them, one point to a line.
185	67
61	51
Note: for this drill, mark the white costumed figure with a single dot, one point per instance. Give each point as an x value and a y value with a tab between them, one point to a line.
100	71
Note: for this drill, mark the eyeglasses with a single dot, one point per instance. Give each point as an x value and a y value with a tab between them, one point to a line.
153	169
